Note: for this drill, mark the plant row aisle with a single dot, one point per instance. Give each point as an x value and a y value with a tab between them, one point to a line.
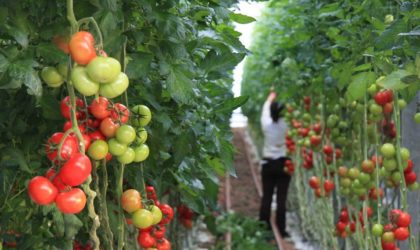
346	71
115	119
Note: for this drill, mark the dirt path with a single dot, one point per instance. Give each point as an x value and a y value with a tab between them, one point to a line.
244	195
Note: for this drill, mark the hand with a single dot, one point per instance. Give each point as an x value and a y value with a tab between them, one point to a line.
272	96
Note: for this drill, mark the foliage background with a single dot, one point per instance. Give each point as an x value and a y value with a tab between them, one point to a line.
180	56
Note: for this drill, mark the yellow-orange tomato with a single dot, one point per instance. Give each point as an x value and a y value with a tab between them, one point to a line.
131	200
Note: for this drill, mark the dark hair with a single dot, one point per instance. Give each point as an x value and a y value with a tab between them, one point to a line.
275	111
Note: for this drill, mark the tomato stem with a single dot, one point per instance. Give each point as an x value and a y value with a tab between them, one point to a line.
96	26
121	219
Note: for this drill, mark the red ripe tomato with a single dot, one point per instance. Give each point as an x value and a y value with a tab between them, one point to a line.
401	233
341	226
108	127
56	181
389	227
146	240
353	226
131	200
410	177
344	216
328	150
388	245
42	191
338	153
68	149
96	135
409	167
317	128
68	125
71	202
108	157
120	113
163	244
389	95
65	107
76	170
374	195
404	220
159	231
307	100
388	108
315	140
87	140
82	47
61	43
368	166
168	213
100	108
93	123
328	186
314	182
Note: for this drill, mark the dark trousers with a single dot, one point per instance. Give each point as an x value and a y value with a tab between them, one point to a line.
273	176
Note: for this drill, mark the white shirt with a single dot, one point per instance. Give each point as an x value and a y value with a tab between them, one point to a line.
274	134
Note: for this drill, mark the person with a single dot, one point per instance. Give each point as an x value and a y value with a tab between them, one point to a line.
274	157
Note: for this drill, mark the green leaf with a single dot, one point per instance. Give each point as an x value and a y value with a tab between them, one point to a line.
394	80
19	35
180	85
50	53
240	18
33	83
58	222
231	104
4	63
138	65
72	225
16	156
49	106
359	84
390	36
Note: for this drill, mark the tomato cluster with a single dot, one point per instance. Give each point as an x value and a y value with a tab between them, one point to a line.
289	167
325	190
347	224
185	215
150	217
397	229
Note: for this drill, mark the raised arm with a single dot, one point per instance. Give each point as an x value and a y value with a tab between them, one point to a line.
265	114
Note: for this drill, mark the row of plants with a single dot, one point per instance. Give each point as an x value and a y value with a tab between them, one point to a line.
345	71
107	106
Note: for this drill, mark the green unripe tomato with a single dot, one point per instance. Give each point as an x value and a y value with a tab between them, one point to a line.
388	150
377	230
402	103
98	150
157	214
344	191
52	77
364	178
141	136
103	69
142	218
141	116
353	173
389	19
126	134
405	154
372	89
114	88
127	157
375	109
414	186
141	153
82	82
116	148
396	177
345	182
62	69
417	118
384	173
390	164
332	121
